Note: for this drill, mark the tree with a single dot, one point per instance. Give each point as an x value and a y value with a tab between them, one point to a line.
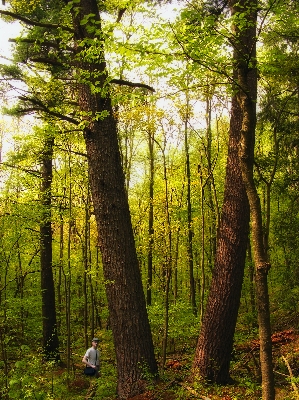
215	342
189	208
245	62
128	315
50	336
277	164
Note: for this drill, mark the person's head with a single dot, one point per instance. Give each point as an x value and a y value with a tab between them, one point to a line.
95	342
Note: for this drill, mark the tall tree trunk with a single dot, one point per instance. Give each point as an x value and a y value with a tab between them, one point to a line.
167	269
60	268
50	336
252	298
127	307
189	212
88	300
214	346
202	256
211	191
151	142
67	273
245	64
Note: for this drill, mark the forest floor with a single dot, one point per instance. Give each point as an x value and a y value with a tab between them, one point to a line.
245	373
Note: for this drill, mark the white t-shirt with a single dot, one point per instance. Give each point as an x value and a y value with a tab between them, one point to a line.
93	356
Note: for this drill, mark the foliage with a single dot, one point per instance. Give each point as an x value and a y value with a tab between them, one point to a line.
183	54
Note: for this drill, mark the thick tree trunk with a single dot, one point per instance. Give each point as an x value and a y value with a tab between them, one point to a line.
214	347
50	336
126	301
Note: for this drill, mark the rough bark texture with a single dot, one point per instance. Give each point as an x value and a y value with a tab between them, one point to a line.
50	337
128	315
214	347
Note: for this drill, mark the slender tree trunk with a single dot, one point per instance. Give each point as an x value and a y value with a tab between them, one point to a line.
168	261
166	312
211	190
50	336
20	288
68	272
126	301
150	219
175	265
245	64
189	213
85	293
202	257
251	283
86	275
93	306
61	260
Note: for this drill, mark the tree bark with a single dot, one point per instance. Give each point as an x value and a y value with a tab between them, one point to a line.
245	64
128	315
50	336
214	346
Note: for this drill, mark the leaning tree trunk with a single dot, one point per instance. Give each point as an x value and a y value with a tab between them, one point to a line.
127	307
50	336
215	343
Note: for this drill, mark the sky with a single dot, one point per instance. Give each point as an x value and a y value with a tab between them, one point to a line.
8	30
7	125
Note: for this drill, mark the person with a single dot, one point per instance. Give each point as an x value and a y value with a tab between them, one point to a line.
92	357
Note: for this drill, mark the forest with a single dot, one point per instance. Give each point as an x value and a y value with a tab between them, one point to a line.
149	178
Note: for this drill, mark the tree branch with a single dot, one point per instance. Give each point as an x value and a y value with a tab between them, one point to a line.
46	60
121	12
28	171
122	82
35	23
41	107
77	153
54	45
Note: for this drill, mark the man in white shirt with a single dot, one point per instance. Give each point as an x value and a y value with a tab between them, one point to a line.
92	357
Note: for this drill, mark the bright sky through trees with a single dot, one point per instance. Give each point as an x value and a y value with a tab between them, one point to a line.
8	124
8	31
